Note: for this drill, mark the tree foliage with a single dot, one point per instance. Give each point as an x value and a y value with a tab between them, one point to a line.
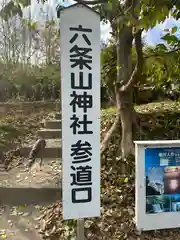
128	19
163	62
31	83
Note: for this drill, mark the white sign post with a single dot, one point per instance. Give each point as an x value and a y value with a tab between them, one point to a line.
157	184
80	97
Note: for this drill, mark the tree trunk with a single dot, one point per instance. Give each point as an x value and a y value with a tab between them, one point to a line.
126	78
126	114
124	99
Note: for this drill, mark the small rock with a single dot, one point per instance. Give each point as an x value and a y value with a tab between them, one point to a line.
20	213
20	180
25	214
10	223
42	224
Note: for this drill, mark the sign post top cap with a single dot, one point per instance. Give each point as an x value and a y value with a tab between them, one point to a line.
83	5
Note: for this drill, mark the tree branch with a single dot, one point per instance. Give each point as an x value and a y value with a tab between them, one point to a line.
165	53
94	2
109	134
139	62
121	13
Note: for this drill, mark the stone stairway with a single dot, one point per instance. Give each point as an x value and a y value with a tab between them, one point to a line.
52	150
31	188
52	133
52	128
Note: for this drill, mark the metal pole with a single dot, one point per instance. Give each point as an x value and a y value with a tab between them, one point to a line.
80	229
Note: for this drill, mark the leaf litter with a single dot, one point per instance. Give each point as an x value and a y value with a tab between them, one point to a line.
24	130
157	121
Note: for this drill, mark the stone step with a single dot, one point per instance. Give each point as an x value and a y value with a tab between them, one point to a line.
49	133
52	149
58	116
52	124
19	186
48	152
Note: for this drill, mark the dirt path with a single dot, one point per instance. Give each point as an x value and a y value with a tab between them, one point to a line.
19	222
19	177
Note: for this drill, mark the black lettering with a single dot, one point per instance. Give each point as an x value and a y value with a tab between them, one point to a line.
82	177
81	100
80	29
81	152
80	52
87	190
77	124
81	81
80	57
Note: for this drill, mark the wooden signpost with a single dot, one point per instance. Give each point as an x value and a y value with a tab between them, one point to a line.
80	97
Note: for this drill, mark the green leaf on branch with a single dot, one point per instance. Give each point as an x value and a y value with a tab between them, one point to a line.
170	39
161	47
174	29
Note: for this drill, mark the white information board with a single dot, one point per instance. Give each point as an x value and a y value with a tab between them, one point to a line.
157	184
80	96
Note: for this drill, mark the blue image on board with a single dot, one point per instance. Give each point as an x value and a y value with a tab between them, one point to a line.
156	175
162	171
175	203
161	157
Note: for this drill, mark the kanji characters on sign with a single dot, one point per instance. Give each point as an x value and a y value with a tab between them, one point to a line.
82	81
81	57
81	152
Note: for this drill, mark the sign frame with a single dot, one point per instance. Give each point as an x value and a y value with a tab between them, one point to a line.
144	221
